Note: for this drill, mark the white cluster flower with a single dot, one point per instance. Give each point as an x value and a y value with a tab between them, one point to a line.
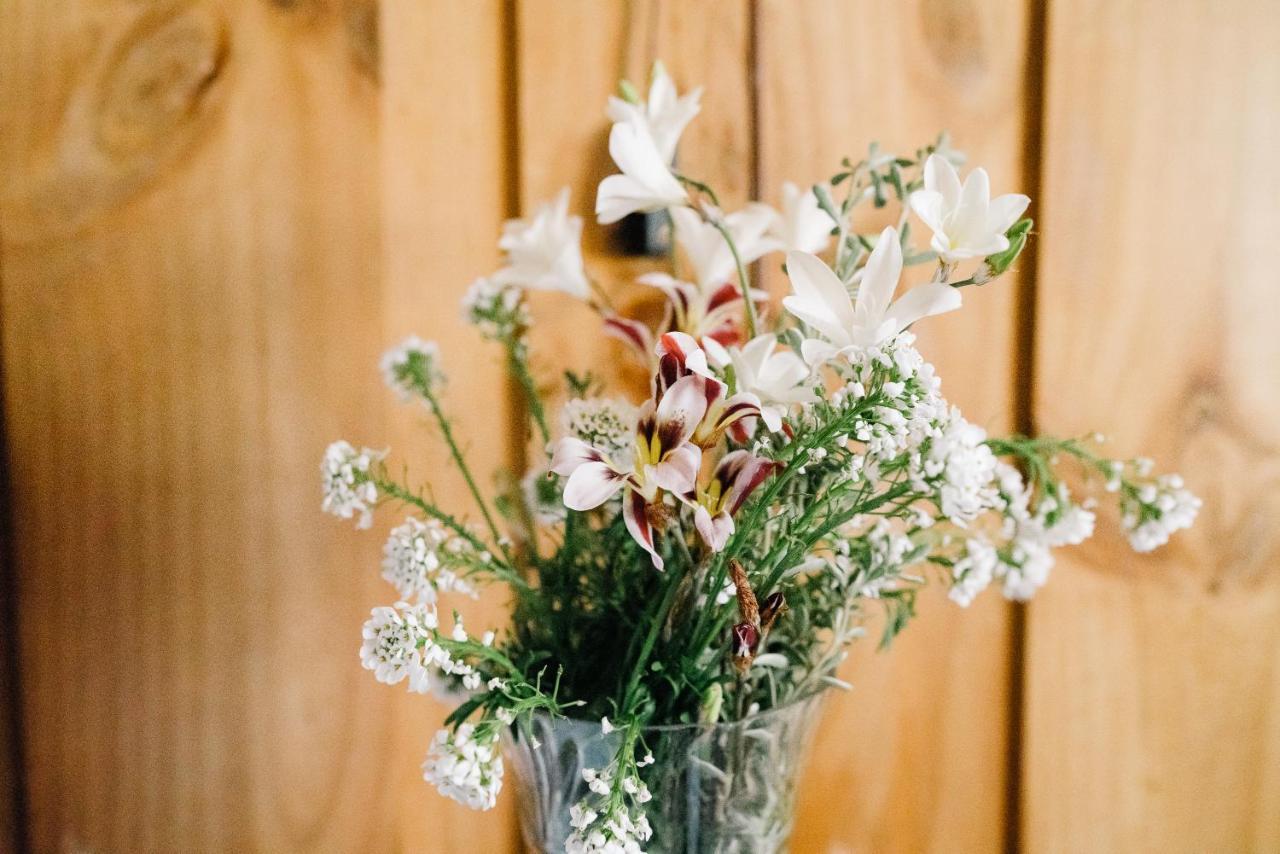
959	468
495	308
619	830
411	359
402	641
877	566
1157	510
398	644
348	489
973	571
423	558
608	424
466	765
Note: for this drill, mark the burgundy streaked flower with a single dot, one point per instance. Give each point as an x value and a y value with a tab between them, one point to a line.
745	639
735	477
663	459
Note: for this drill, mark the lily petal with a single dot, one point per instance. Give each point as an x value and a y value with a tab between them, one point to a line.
636	516
591	485
923	301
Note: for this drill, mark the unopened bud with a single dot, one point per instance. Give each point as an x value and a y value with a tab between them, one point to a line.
774	604
995	265
747	605
746	638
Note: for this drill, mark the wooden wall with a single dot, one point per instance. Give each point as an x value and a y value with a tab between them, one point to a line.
215	215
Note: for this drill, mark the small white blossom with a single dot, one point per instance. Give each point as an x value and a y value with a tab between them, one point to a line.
608	424
802	225
965	220
545	251
395	640
663	116
1157	511
605	726
973	572
495	308
466	765
422	558
348	489
413	359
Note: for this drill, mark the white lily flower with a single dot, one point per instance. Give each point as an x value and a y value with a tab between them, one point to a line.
966	221
708	251
802	225
646	182
778	378
664	115
545	250
822	301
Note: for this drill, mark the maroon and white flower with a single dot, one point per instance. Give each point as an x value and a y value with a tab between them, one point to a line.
736	476
664	459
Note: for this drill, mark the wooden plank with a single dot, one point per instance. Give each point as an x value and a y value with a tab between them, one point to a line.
1153	693
192	227
446	178
916	755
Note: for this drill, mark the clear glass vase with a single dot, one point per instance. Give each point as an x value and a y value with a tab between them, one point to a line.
728	788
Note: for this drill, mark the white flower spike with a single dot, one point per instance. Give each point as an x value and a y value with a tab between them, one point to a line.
966	221
646	182
821	300
545	250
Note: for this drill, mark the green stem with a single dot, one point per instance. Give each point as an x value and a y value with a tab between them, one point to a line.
458	458
520	368
655	626
748	306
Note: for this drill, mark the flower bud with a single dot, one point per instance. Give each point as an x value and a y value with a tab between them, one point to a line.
995	265
746	638
747	605
774	604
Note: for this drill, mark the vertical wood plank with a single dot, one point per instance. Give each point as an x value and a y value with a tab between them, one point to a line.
1153	704
446	175
917	753
192	228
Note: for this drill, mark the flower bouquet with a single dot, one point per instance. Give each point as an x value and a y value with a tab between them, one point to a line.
687	571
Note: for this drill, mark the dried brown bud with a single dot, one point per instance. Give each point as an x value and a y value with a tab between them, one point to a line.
660	515
745	640
774	604
747	605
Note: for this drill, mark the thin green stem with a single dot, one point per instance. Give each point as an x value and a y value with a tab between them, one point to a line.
520	368
447	431
748	307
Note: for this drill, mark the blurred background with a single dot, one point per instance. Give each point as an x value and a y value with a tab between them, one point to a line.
215	215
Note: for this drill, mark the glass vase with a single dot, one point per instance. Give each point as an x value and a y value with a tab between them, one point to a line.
728	788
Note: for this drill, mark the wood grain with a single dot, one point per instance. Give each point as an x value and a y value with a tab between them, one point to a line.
445	180
1153	706
193	307
916	754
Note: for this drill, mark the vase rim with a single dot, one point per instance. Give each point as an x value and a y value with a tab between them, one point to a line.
764	715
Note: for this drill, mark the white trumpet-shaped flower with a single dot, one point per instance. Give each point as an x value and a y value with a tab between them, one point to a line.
822	301
646	182
664	115
802	225
545	250
707	250
965	220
